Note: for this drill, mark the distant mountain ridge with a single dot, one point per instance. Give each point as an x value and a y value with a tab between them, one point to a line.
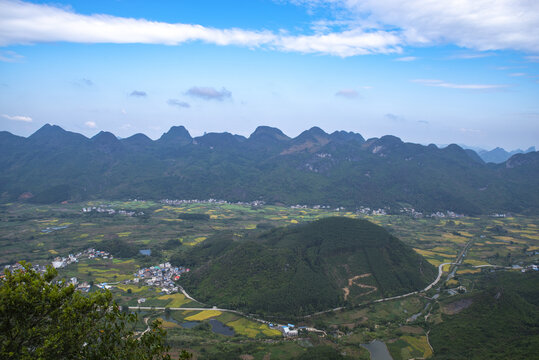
340	169
497	155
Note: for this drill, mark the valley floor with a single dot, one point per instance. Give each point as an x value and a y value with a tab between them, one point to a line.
466	251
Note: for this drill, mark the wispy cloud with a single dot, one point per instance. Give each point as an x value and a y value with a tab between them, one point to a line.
178	103
469	131
83	82
10	56
138	93
344	44
347	93
470	56
395	118
209	93
518	74
17	118
443	84
90	124
532	58
407	58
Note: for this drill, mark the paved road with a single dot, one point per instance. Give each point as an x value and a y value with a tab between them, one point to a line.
440	273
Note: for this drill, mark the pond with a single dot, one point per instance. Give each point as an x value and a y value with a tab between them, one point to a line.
378	350
219	328
189	324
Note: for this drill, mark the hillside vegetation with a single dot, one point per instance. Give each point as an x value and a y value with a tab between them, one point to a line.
339	169
301	269
501	323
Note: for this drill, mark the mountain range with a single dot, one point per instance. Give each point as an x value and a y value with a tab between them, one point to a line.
497	155
338	169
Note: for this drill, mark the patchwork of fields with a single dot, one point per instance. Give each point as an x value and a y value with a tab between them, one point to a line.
41	233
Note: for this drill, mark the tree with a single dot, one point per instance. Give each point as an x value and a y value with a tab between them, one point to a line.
43	319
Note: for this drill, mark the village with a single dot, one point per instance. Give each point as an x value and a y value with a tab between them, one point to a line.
105	209
162	276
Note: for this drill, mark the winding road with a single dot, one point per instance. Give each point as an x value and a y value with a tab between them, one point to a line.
440	273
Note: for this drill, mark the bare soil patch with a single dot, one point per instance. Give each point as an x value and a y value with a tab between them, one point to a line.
352	282
457	306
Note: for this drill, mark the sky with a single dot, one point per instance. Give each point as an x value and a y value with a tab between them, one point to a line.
454	71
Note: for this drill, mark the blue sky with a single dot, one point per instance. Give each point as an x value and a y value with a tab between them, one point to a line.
428	72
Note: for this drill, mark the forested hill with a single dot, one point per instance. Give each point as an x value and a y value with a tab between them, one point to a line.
301	269
340	169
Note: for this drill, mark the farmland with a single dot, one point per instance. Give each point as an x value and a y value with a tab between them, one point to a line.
39	234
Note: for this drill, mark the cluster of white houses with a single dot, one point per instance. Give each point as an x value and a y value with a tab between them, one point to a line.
161	276
102	209
210	201
61	262
90	253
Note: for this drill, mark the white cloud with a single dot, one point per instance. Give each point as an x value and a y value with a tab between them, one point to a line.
476	24
518	74
17	118
407	58
360	27
27	23
440	83
346	43
90	124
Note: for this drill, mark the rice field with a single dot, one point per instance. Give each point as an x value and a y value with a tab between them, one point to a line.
203	315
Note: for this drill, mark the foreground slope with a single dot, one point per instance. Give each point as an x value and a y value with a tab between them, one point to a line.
305	268
500	322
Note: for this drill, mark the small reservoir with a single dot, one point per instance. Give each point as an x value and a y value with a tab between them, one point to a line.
378	350
219	328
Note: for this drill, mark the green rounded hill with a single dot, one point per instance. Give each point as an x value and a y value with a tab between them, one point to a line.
301	269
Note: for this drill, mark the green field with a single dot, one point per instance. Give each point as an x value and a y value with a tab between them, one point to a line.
493	241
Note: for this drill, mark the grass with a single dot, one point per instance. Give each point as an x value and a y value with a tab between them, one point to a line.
195	241
177	300
134	288
476	262
420	344
446	267
167	324
252	329
468	271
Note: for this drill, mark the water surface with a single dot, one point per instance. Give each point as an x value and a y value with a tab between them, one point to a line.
189	324
378	350
219	328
